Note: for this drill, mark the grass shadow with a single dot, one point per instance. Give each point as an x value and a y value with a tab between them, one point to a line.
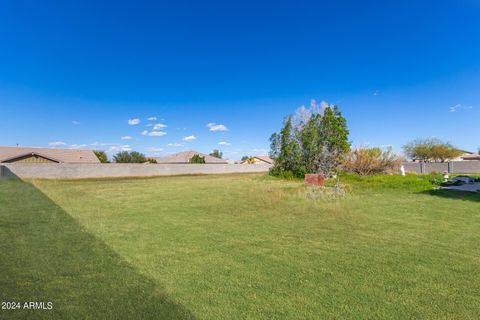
46	256
453	194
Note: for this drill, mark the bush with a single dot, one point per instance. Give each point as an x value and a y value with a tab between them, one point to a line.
367	161
197	159
129	157
101	155
286	174
151	160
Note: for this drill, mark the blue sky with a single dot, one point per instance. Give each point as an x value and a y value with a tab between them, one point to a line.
75	72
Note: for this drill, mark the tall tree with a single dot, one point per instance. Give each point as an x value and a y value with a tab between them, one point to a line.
431	149
217	154
315	140
289	150
333	133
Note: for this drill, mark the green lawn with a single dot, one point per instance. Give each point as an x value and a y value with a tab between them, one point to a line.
239	247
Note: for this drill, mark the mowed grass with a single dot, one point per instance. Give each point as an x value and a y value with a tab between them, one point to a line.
239	247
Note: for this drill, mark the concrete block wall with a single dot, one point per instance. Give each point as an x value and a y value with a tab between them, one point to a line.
113	170
468	167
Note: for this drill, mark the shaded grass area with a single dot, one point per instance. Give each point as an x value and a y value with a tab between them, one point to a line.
46	256
239	246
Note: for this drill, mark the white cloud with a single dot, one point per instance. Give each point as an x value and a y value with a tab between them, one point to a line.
224	143
154	133
159	126
174	145
77	146
133	122
190	138
103	144
118	148
459	107
454	108
154	149
126	138
216	127
75	122
112	147
152	118
57	143
157	134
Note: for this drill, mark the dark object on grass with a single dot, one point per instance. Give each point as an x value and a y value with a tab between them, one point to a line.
315	180
463	179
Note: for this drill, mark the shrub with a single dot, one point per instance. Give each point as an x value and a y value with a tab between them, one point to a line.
129	157
151	160
101	155
366	161
197	159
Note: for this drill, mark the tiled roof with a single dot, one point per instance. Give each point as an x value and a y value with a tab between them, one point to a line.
185	156
266	159
474	156
60	155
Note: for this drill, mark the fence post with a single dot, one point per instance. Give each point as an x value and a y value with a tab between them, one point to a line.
450	167
1	171
422	167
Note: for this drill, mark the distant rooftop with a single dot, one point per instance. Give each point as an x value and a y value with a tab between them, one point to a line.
9	154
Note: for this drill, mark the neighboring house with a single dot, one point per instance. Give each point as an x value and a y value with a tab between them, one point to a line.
467	156
185	156
46	155
258	160
472	156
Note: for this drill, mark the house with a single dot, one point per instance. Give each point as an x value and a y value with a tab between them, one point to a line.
185	156
258	160
467	156
46	155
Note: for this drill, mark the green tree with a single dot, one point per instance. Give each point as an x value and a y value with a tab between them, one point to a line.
129	157
310	142
315	141
431	150
137	157
101	155
197	159
333	133
245	158
217	154
289	149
